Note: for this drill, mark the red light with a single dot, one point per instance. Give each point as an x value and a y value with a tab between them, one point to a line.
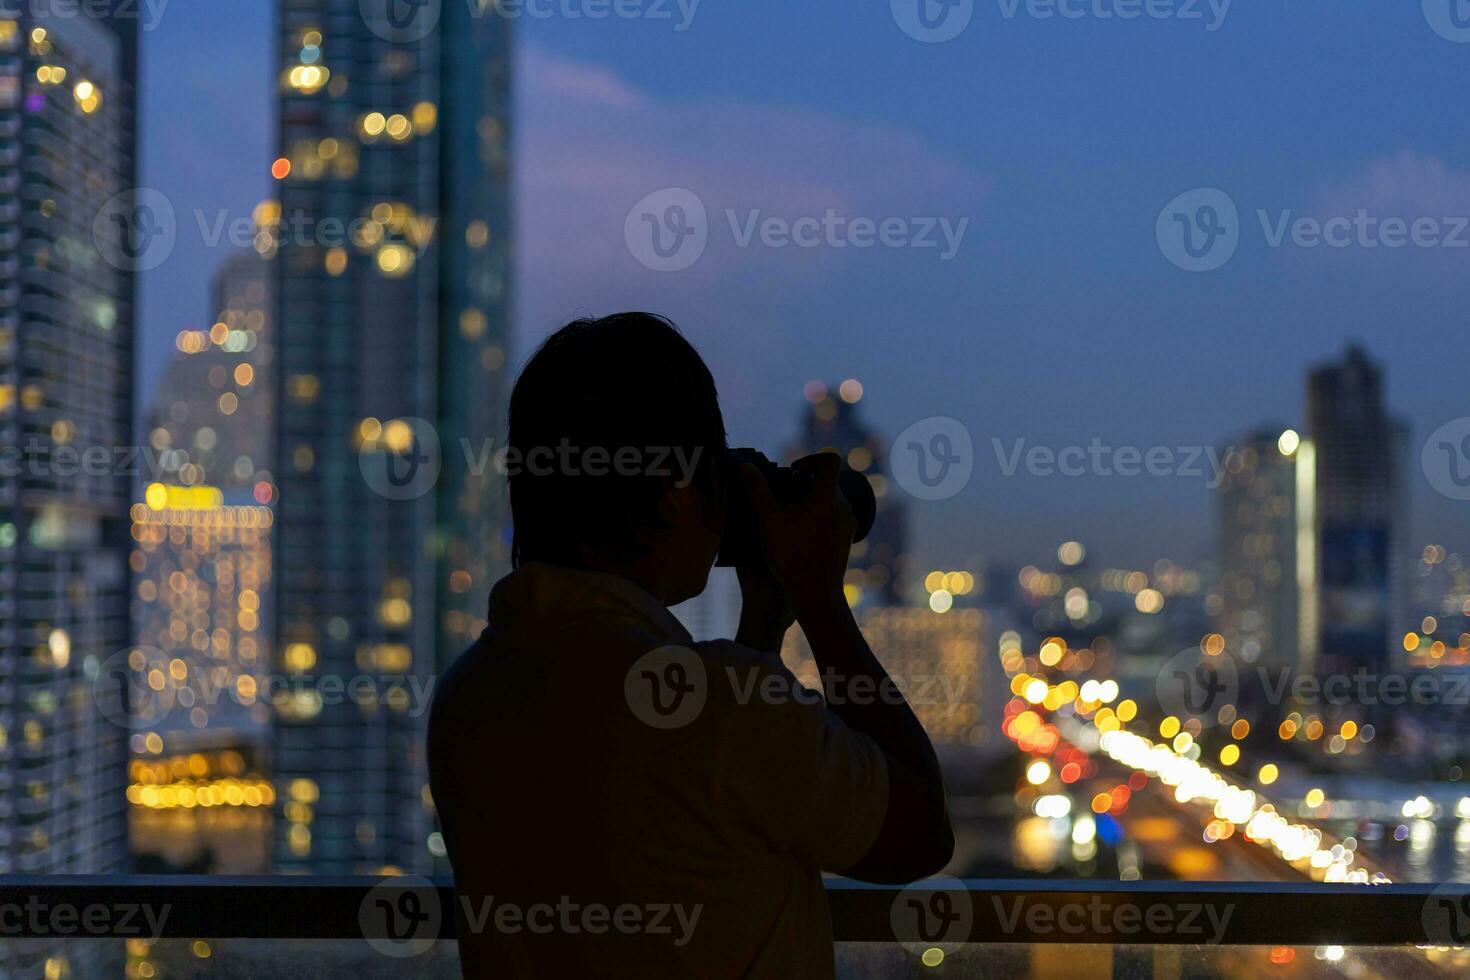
263	492
281	169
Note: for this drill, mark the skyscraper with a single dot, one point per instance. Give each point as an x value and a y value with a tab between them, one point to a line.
1259	602
201	565
832	422
394	279
203	533
213	418
67	115
1355	490
936	659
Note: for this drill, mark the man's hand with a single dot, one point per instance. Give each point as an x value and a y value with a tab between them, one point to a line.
805	542
765	615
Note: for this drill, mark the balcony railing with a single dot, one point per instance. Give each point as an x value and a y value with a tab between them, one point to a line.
406	926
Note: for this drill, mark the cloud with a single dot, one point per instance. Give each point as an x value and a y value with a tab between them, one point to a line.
591	144
1399	221
1405	185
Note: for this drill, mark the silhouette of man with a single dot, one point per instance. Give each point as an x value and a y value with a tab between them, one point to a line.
618	800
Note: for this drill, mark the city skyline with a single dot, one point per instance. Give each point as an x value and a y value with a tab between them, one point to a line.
1168	441
984	330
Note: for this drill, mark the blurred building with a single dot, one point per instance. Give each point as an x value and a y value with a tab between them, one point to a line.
1353	480
201	568
67	127
833	422
203	532
714	614
1439	602
1258	597
936	658
391	356
201	807
213	416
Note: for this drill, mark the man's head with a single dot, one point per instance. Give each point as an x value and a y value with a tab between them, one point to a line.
616	453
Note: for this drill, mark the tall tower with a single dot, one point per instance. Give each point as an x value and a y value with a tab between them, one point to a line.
67	124
202	564
393	298
1357	511
212	420
1258	549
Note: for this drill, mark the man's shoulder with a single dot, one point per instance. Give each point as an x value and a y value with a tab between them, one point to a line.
457	678
739	676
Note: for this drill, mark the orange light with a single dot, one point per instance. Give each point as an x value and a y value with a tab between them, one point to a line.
281	169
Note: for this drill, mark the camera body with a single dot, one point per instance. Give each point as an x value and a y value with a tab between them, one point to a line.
740	545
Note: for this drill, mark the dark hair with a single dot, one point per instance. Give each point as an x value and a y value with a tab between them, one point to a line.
627	382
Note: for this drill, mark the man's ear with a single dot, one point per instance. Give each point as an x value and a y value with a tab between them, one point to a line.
670	510
675	504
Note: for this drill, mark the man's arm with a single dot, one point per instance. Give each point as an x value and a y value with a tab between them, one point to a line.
806	547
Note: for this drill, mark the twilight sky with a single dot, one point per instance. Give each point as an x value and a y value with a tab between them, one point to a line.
1057	321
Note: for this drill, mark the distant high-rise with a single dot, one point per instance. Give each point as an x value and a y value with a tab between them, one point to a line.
832	422
203	533
394	281
213	418
1259	601
67	117
935	658
1353	485
715	613
202	566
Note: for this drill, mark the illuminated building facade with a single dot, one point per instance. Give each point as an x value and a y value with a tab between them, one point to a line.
876	567
390	358
67	118
1358	516
202	811
1258	598
201	568
212	420
935	658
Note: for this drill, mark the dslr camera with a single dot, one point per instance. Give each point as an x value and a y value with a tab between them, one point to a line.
740	545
